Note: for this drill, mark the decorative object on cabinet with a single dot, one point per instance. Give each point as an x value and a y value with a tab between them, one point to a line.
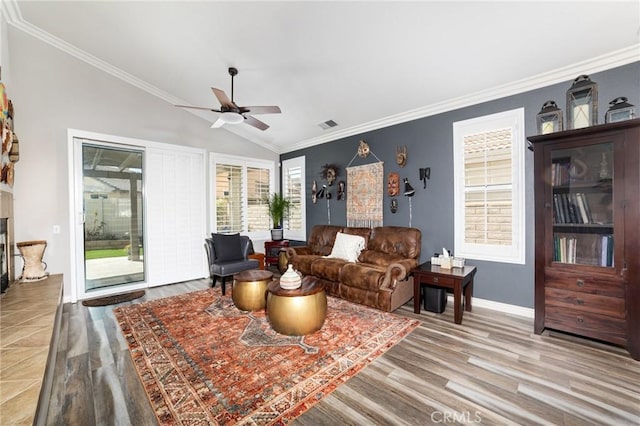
582	103
393	184
549	118
401	155
619	110
363	149
425	173
329	173
394	205
587	273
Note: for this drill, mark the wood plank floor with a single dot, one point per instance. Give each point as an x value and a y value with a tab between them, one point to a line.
489	370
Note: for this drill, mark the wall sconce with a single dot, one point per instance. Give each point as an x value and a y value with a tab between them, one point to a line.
408	192
320	193
408	189
424	175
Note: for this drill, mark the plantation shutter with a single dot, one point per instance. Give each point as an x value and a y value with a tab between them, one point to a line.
257	193
292	187
488	187
229	205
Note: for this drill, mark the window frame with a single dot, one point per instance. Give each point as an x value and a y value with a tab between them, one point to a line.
243	162
289	234
514	253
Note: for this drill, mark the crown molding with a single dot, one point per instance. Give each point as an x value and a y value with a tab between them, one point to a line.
604	62
11	12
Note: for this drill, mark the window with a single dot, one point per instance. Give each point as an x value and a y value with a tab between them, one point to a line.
240	187
293	178
488	157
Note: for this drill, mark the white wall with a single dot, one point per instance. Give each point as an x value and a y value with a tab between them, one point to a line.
51	92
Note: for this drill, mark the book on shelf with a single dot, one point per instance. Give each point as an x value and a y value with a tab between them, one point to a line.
606	251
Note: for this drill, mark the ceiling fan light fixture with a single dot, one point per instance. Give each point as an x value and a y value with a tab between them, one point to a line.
231	118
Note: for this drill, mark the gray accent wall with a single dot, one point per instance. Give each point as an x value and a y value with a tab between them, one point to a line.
429	143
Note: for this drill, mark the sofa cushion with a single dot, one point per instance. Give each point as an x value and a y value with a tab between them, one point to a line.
399	240
228	247
302	263
378	258
347	247
365	277
327	268
363	232
322	238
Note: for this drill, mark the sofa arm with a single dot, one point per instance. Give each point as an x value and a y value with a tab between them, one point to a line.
397	271
298	250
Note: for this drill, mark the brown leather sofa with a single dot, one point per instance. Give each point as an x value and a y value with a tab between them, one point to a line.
379	279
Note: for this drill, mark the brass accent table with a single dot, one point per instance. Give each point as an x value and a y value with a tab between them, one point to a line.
250	289
297	312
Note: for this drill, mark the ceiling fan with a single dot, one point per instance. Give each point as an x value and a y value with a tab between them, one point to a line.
232	113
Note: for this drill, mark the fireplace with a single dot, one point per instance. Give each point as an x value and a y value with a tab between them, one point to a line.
4	249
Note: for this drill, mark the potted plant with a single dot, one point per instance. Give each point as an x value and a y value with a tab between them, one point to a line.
278	208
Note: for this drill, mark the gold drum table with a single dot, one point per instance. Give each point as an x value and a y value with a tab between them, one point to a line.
297	312
249	291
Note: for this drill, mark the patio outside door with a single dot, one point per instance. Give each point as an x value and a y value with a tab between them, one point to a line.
113	200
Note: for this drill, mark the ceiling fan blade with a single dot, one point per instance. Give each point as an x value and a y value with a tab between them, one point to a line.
252	121
218	123
261	109
196	107
223	98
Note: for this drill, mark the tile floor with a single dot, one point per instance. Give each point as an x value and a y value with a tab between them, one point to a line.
27	316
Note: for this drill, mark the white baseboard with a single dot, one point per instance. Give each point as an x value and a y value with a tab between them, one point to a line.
500	307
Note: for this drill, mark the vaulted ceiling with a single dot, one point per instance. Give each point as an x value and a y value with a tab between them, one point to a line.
362	64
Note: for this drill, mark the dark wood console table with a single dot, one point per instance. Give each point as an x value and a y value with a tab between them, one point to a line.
271	251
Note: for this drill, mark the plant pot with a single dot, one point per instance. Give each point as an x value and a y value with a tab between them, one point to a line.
276	234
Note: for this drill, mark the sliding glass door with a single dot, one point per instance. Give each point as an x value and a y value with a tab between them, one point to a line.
113	204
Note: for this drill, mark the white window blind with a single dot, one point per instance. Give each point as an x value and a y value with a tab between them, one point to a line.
258	189
488	190
489	187
240	189
228	198
293	178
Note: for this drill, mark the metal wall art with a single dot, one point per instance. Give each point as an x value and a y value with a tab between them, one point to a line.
363	149
401	155
393	184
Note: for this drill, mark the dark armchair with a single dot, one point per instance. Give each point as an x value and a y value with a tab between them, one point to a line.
228	255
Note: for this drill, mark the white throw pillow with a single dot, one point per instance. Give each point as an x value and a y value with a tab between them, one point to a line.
347	247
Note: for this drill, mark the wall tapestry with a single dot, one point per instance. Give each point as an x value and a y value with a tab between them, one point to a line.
365	186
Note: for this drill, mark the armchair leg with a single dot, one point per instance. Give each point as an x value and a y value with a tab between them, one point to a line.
224	286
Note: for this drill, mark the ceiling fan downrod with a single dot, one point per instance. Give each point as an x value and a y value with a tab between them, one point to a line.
232	72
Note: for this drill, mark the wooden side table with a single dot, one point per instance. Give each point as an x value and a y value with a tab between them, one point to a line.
458	279
259	257
271	251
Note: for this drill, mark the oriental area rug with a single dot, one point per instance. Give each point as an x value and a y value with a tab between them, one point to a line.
203	361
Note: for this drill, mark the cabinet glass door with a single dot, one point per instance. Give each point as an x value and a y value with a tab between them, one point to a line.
583	223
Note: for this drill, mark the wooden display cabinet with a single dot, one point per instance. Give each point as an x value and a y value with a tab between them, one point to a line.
587	217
